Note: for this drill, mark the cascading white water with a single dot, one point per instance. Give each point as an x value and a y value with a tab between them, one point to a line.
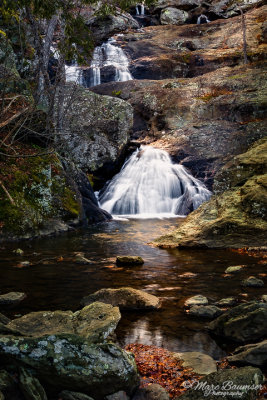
141	10
149	184
202	19
108	54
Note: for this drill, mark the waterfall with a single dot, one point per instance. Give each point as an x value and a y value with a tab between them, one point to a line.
108	54
73	73
202	19
150	184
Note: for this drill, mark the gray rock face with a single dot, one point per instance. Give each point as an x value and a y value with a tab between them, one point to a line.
251	354
210	312
151	392
94	322
125	298
95	129
173	16
11	298
201	364
197	300
242	323
69	362
240	377
252	281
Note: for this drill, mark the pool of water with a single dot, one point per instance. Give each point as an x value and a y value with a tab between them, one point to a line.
55	281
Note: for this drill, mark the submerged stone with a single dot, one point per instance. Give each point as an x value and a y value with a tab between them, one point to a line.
125	298
252	281
233	269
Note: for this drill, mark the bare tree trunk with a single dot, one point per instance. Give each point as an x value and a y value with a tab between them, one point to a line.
244	36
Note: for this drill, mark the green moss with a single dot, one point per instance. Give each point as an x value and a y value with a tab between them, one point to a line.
70	203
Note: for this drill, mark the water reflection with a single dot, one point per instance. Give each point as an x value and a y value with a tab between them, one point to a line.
172	275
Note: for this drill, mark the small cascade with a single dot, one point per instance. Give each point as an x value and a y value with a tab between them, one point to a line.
202	19
149	184
73	73
109	55
140	9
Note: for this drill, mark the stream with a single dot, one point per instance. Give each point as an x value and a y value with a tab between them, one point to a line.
55	281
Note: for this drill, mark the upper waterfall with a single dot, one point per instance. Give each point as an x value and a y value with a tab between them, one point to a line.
149	183
109	55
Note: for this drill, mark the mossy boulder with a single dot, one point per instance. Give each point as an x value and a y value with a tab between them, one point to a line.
124	298
129	260
44	199
243	323
70	362
95	322
235	218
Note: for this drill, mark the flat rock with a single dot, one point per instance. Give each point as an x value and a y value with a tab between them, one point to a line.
210	312
125	298
227	302
196	301
243	323
11	298
238	377
71	362
95	322
252	281
151	392
129	260
251	354
233	269
200	363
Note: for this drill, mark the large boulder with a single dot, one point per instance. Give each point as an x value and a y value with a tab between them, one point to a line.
70	362
95	129
235	218
126	298
95	322
251	354
243	323
173	16
231	384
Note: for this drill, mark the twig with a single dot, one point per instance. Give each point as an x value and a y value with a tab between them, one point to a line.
7	193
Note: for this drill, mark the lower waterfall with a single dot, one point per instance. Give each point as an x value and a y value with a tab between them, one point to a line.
149	184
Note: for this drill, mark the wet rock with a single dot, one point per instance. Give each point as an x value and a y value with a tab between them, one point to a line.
70	362
243	323
95	322
173	16
125	298
151	392
238	377
30	386
129	260
233	269
67	395
251	354
201	364
264	298
4	320
80	259
197	300
11	298
209	312
252	281
227	302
